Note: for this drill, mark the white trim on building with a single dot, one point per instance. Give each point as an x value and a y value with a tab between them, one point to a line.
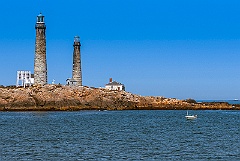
113	85
24	78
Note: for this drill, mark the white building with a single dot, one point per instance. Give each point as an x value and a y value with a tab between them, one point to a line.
24	78
71	82
113	85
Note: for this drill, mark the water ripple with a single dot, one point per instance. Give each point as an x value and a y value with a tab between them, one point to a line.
119	135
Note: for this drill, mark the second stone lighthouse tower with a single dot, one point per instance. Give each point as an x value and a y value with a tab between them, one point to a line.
40	62
77	71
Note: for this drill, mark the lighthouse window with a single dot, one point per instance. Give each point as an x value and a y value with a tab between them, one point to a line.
40	19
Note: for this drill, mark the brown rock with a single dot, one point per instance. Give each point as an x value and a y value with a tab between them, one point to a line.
65	98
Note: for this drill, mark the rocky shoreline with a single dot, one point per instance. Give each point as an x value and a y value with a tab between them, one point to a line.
66	98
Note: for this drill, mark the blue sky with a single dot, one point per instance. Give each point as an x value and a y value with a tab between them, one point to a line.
173	48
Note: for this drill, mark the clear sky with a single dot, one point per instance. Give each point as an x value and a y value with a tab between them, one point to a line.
173	48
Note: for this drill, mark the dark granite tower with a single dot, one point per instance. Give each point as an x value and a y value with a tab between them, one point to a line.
40	62
77	71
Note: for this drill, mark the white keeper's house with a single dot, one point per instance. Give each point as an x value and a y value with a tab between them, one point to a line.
113	85
24	78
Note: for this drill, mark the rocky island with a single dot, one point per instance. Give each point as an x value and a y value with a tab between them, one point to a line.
44	97
67	98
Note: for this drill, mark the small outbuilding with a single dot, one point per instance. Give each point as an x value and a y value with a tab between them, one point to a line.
113	85
71	82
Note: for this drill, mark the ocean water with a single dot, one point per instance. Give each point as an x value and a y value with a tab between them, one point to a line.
119	135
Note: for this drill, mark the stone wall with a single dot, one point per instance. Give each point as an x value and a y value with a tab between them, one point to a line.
77	71
40	62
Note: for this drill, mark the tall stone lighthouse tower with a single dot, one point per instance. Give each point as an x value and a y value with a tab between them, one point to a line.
77	71
40	62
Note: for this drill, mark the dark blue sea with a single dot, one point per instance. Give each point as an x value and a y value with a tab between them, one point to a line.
119	135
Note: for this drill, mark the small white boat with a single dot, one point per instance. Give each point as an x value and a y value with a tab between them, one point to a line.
190	117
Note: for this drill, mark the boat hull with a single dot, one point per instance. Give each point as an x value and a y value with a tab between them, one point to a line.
191	117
